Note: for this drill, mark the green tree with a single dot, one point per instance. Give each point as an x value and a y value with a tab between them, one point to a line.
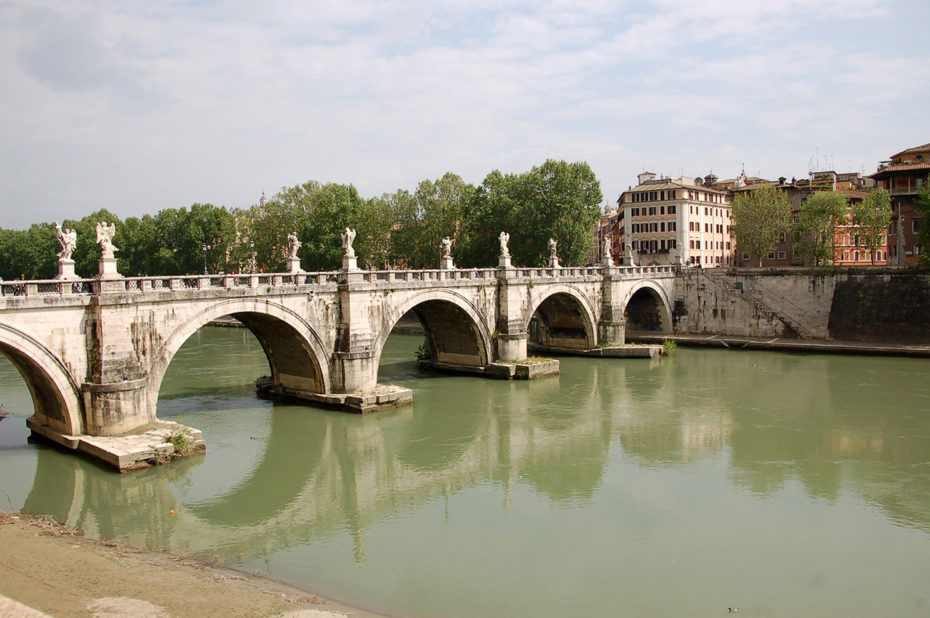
331	209
820	213
30	254
556	200
435	211
494	209
871	217
923	233
563	203
759	217
376	217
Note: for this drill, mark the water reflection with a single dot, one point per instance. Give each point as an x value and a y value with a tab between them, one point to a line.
606	441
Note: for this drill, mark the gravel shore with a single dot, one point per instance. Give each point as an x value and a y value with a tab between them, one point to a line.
55	571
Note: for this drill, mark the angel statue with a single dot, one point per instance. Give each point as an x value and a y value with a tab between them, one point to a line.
552	244
504	238
293	244
67	238
347	239
446	246
105	238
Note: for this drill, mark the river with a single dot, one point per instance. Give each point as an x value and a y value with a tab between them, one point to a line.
782	484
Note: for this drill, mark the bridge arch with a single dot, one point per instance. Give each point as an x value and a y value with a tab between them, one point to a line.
296	354
56	397
561	317
647	307
453	327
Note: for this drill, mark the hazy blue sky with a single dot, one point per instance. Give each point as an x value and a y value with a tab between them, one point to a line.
139	106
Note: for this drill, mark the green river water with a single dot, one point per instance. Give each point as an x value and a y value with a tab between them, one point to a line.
786	485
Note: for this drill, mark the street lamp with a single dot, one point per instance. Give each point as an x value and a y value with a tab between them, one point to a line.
203	248
252	248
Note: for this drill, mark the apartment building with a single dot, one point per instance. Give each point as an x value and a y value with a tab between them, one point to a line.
902	176
675	220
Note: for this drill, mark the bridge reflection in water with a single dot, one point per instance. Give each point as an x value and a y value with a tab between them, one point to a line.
638	464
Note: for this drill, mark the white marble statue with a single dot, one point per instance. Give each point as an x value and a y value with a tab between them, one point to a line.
105	239
606	253
446	246
552	248
293	244
68	240
504	238
347	239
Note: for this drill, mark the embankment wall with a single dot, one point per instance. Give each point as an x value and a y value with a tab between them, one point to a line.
853	304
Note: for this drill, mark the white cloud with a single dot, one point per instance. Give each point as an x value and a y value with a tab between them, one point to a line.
140	106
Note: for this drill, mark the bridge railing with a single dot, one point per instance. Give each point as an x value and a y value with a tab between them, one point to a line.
455	274
67	287
46	287
227	281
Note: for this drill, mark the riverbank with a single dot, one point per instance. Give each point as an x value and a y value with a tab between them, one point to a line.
55	571
785	345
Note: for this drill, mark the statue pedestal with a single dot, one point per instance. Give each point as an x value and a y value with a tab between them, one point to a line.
293	266
504	262
445	263
107	268
349	262
628	259
66	269
554	262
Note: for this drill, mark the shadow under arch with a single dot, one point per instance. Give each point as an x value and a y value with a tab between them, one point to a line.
454	331
561	321
56	397
296	355
647	308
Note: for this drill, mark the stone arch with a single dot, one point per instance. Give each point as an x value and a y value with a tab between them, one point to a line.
561	317
647	307
56	397
463	326
296	355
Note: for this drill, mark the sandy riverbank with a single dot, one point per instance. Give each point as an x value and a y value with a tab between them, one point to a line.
54	570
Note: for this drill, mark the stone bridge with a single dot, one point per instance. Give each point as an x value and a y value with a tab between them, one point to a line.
93	352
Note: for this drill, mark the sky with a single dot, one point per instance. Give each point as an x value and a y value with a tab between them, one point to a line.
137	106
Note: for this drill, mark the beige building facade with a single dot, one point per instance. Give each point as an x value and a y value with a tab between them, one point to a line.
675	221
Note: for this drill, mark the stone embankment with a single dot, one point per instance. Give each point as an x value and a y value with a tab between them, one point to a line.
877	305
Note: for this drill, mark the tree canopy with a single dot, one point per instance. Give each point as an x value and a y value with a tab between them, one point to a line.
557	200
759	217
820	213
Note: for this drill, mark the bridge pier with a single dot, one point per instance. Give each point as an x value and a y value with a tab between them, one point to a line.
611	328
512	336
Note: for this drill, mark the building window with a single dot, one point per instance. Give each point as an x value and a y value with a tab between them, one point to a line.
672	244
662	245
781	255
915	225
672	209
635	245
662	226
771	255
672	226
661	210
652	210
